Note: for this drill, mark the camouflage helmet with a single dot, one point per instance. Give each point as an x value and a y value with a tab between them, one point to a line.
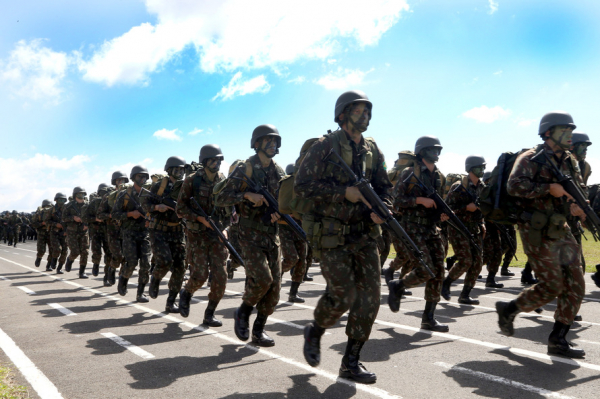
78	190
555	118
173	162
118	175
46	202
289	170
427	141
473	161
103	188
264	131
60	195
579	137
350	97
210	151
138	169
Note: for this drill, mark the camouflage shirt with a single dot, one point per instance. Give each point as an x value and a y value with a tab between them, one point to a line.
71	210
198	186
171	191
458	200
125	204
405	194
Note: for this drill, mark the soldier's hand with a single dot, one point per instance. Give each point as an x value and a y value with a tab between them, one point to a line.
275	217
203	220
354	195
472	207
256	199
556	190
225	234
134	214
375	218
444	217
58	225
77	219
426	202
98	220
162	208
577	211
85	228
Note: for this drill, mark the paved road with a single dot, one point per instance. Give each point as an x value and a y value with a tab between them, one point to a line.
91	343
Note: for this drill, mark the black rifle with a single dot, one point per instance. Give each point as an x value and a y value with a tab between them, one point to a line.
273	206
168	201
592	220
380	209
137	205
442	207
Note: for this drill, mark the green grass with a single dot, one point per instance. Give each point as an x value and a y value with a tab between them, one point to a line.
591	252
8	387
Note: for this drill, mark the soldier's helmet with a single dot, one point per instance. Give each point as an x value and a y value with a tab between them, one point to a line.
289	170
473	161
60	195
350	97
103	188
78	190
264	131
427	141
210	151
118	175
139	169
46	202
174	162
487	175
15	212
579	137
555	118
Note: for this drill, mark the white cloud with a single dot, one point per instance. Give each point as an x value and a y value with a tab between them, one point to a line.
493	7
233	34
164	134
34	71
331	61
498	73
297	80
239	87
484	114
195	131
451	162
527	122
343	78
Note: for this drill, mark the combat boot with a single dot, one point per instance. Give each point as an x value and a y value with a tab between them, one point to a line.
388	274
184	302
58	268
446	288
112	276
154	286
352	368
55	264
490	282
171	306
505	272
68	265
428	321
558	344
450	262
230	270
141	297
312	343
507	311
259	337
209	315
395	295
526	276
596	276
82	271
49	265
241	321
106	274
95	269
38	262
307	277
122	287
464	297
293	297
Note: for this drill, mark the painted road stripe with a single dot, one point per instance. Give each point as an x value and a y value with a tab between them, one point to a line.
590	342
290	324
129	346
3	278
62	309
42	385
27	290
514	384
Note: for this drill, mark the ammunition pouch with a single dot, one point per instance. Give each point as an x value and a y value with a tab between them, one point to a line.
542	225
264	228
163	225
330	233
556	226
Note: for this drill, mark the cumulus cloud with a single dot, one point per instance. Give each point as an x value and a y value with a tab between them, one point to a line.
239	87
34	71
526	122
232	34
195	131
164	134
484	114
343	78
493	7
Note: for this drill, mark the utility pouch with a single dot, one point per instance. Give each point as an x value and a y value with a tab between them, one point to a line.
313	233
556	226
539	220
332	234
375	231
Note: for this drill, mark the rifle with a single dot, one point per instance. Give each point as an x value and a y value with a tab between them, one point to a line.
442	207
380	209
137	205
272	202
592	220
170	202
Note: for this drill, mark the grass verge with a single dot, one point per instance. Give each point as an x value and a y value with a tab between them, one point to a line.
8	387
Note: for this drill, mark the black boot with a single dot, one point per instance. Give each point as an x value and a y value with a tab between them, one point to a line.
464	297
112	278
209	315
596	276
307	277
58	268
558	344
82	271
450	262
241	322
95	269
490	282
388	274
578	318
106	274
184	302
38	262
68	265
446	288
293	297
351	368
507	311
428	321
505	272
56	264
141	297
171	306
526	276
122	287
259	337
154	287
395	295
49	265
230	270
312	343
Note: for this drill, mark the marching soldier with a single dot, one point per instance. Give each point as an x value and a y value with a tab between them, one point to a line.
76	229
43	237
58	242
97	231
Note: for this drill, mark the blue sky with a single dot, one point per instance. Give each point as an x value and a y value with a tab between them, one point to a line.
90	87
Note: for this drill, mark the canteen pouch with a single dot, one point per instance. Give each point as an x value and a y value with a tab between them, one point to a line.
375	231
556	226
332	234
539	220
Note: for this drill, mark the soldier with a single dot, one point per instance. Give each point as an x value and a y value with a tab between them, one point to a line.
463	199
97	231
207	252
166	232
294	251
76	229
14	228
258	234
134	230
509	251
113	228
349	255
43	234
419	218
24	227
547	240
58	243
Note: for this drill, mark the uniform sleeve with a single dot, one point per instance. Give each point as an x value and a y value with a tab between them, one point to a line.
231	194
183	201
520	182
457	199
118	213
103	211
402	197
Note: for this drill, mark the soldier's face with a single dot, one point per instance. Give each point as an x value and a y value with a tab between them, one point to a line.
431	154
478	171
177	173
268	145
562	135
140	179
359	117
580	150
120	182
61	201
80	197
213	164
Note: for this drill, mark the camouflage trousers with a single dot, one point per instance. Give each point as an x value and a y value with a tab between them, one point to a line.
209	254
43	240
168	254
136	248
99	242
403	261
353	274
115	247
78	246
234	240
468	259
431	243
58	245
13	234
578	239
384	244
557	267
294	252
509	252
263	269
492	248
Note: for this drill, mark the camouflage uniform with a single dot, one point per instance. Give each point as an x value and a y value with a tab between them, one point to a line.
77	238
493	248
14	228
43	237
294	252
113	233
58	241
98	232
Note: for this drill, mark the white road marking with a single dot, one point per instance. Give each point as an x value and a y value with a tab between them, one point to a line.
27	290
290	324
590	342
42	385
129	346
3	278
62	309
501	380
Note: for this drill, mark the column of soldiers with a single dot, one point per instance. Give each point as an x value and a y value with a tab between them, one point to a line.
186	222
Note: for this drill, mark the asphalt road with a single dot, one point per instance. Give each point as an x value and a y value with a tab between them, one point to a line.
86	341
